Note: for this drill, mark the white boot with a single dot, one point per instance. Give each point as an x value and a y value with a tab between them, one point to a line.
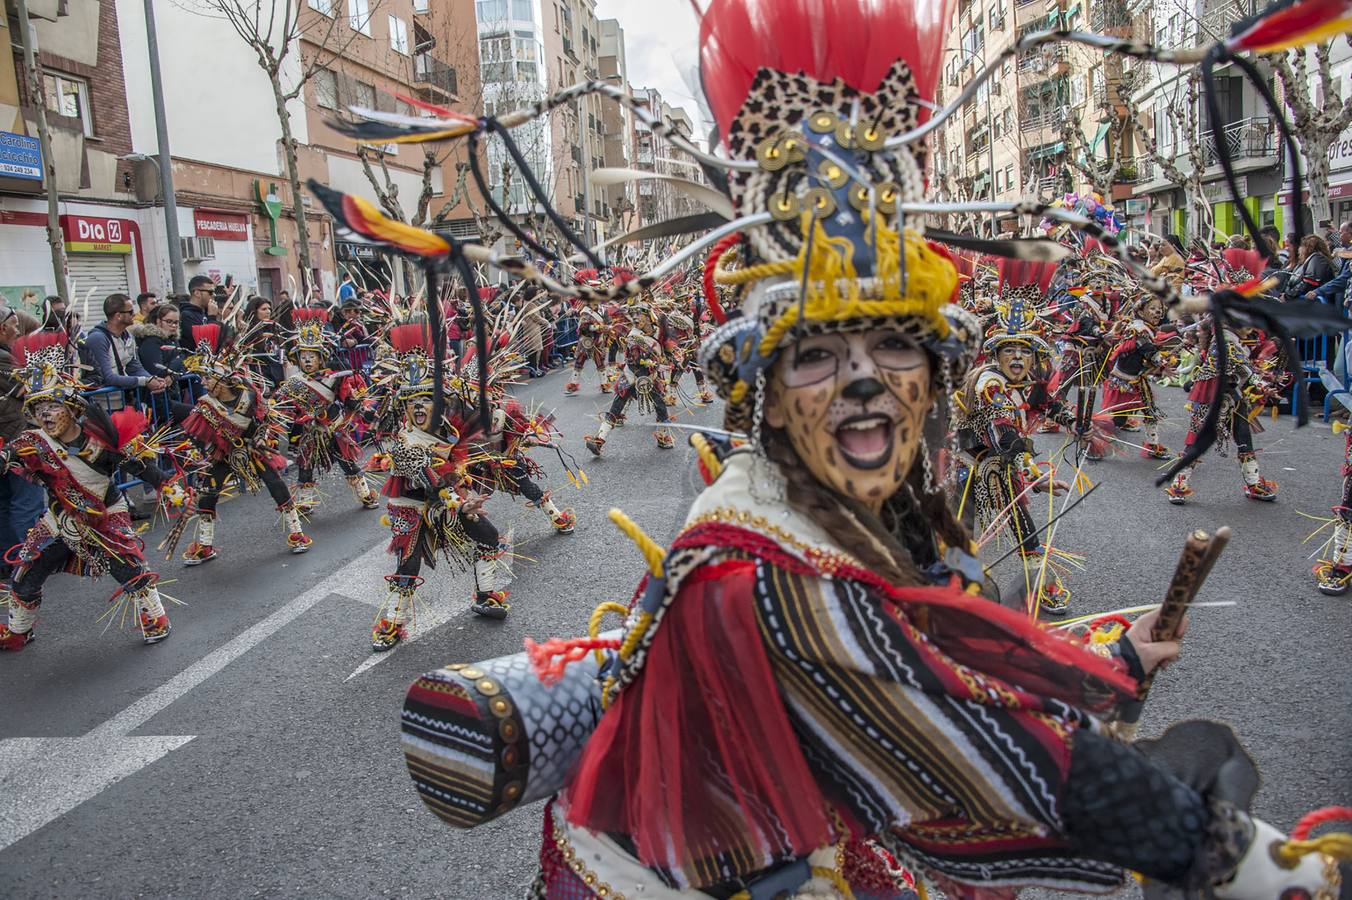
490	599
307	497
203	548
1333	573
150	612
362	493
390	627
22	617
295	537
1256	487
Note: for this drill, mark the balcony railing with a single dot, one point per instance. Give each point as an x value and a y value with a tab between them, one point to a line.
1107	15
1246	139
1216	21
1051	119
1145	169
430	72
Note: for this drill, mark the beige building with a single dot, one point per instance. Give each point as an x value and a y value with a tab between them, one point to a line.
1020	132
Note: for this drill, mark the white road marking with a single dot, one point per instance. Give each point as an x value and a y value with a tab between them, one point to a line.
55	775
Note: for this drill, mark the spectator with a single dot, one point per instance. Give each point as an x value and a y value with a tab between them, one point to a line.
198	307
112	351
1170	263
157	342
1326	228
351	330
21	501
145	302
346	289
54	317
261	339
1313	269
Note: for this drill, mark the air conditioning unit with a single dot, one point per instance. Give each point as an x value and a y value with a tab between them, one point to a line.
197	248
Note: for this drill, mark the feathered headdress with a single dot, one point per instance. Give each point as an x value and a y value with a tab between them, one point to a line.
42	362
413	346
310	333
216	353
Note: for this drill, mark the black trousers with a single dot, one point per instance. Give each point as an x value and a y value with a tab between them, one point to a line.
219	474
517	483
53	558
624	394
306	474
481	531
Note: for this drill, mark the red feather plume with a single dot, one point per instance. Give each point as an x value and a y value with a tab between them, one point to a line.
1019	272
129	423
301	316
210	333
862	41
415	336
32	343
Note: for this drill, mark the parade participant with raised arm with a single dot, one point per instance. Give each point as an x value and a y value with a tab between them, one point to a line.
237	434
76	452
320	402
809	686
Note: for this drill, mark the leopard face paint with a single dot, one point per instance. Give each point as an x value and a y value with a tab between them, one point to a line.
418	411
55	419
1015	361
853	407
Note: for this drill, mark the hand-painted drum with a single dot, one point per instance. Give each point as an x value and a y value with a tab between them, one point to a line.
482	739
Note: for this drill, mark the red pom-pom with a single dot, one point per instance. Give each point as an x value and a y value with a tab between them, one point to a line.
415	336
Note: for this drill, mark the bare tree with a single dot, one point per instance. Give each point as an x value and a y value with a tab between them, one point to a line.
1101	174
274	31
1319	115
1181	108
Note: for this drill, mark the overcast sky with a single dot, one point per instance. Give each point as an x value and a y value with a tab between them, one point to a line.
660	45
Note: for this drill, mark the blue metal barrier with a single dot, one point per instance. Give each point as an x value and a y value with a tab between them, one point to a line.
1338	385
1312	353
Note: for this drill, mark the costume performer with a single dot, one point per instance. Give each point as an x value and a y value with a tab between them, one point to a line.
75	453
685	333
1333	571
995	430
592	335
1139	355
320	403
809	672
432	509
236	433
645	355
1082	343
1247	387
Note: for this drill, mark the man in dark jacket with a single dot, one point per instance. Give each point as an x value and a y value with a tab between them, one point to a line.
21	501
198	309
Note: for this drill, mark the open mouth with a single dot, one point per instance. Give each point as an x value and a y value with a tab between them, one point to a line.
1016	369
866	440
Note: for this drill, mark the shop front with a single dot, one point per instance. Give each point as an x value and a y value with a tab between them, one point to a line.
103	256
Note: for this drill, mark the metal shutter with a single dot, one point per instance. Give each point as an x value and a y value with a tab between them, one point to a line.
104	273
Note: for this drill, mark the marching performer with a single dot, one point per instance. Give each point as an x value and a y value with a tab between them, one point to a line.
237	433
645	355
75	453
1333	571
1139	355
1247	388
996	432
320	402
592	335
808	688
432	510
685	332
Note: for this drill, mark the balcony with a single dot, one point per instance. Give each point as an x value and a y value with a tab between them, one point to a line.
568	49
1051	119
1216	21
576	152
433	76
1145	169
1109	15
1252	138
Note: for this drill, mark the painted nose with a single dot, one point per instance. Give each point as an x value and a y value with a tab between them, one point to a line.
863	390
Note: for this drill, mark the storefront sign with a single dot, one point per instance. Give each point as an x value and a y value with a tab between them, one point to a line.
270	205
347	251
221	226
20	157
92	234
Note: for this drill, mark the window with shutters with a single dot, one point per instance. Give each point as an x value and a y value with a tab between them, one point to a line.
398	35
326	89
359	16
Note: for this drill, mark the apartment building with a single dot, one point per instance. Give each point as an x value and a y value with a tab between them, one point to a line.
1018	133
619	202
1161	203
658	200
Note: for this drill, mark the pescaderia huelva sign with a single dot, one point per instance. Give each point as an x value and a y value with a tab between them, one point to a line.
222	226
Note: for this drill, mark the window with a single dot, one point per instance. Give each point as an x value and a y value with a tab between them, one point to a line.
420	6
1009	177
999	181
326	89
1076	90
521	11
364	95
323	7
491	10
398	35
359	16
69	97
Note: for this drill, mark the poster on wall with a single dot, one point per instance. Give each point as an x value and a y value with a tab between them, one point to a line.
27	297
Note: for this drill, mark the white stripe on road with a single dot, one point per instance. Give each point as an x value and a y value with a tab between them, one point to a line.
51	776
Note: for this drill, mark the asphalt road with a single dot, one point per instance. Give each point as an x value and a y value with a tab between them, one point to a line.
256	752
